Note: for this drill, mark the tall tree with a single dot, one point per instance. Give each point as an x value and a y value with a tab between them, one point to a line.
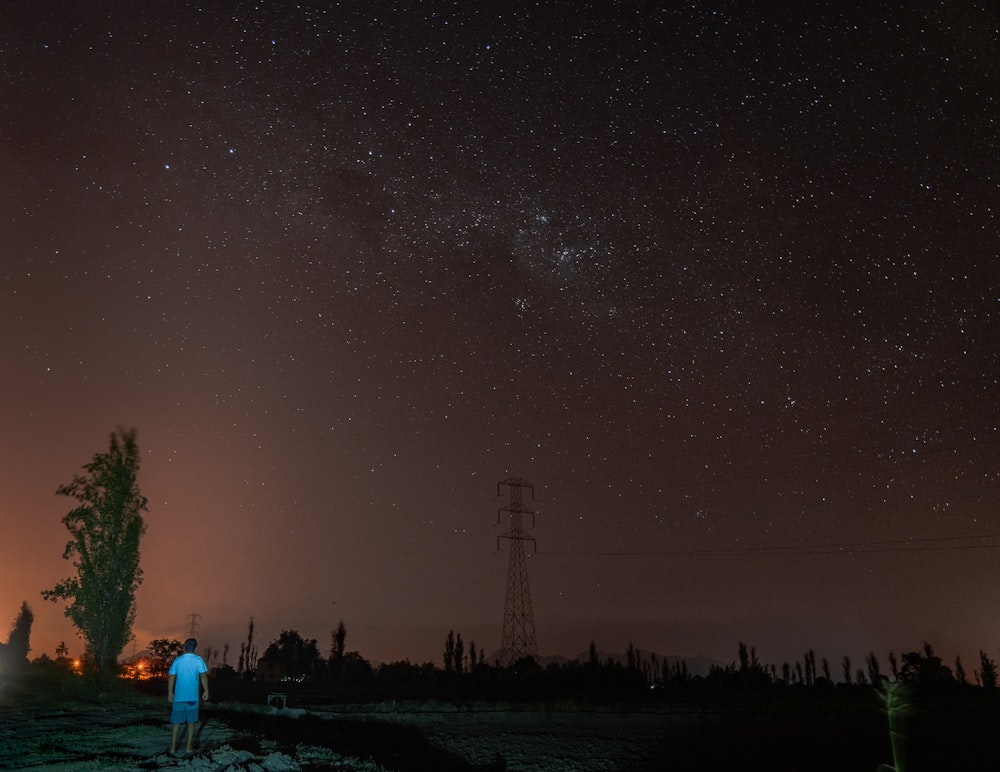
105	530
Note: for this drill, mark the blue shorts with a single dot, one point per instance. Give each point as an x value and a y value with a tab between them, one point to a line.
184	713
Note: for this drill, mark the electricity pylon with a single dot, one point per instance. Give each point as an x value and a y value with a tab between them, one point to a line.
518	639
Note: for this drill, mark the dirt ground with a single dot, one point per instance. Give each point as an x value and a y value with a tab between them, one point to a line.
361	738
841	731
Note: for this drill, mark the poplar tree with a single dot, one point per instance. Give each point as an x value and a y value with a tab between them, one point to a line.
987	671
337	642
449	652
105	529
874	673
459	655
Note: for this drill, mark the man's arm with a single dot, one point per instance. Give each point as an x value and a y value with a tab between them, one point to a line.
204	686
171	680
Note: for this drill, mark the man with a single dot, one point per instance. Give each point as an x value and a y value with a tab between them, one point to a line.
182	692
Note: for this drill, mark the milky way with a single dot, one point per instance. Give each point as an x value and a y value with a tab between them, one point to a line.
722	282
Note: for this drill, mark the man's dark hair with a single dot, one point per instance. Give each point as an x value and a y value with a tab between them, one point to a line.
190	645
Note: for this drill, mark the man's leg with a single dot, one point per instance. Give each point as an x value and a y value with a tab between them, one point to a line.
190	745
174	732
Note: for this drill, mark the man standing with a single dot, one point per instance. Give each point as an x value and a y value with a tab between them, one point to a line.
182	692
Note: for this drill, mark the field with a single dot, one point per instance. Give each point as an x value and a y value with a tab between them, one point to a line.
838	732
130	736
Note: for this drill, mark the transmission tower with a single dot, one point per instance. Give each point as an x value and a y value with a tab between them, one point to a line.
518	638
192	625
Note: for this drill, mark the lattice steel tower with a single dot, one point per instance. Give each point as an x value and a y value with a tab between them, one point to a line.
518	638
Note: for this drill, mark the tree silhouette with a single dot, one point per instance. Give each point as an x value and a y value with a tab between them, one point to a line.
297	657
459	654
338	641
449	652
248	654
925	667
873	668
15	651
810	667
987	671
105	530
162	652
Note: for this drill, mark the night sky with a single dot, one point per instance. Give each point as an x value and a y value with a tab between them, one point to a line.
722	280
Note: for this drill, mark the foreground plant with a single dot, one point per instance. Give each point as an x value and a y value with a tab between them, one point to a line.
896	703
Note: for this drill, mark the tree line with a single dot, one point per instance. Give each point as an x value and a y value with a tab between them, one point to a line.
105	529
466	671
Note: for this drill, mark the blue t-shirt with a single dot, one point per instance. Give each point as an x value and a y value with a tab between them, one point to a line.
188	669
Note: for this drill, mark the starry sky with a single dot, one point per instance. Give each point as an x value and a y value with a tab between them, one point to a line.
720	279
